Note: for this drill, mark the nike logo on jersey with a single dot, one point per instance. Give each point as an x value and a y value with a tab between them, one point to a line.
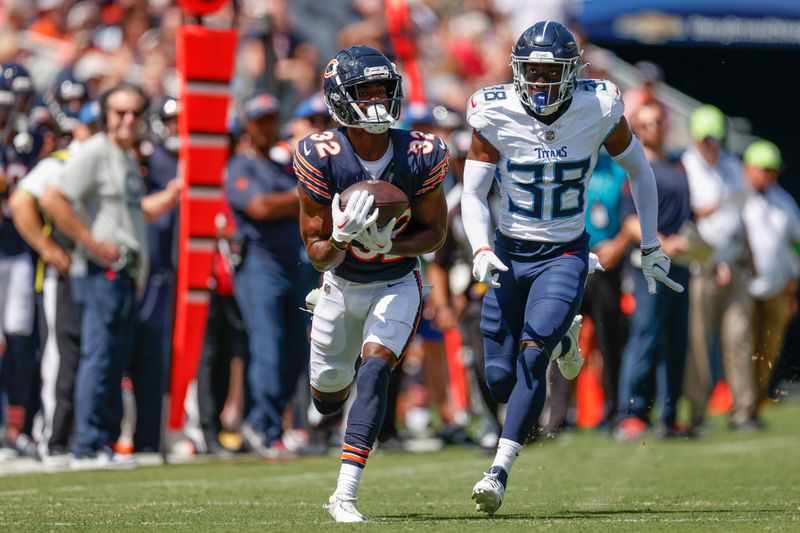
306	149
390	285
441	143
472	102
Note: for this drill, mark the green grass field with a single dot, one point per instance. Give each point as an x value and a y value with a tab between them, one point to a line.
581	482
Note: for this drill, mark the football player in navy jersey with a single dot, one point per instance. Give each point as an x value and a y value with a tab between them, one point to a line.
371	298
539	138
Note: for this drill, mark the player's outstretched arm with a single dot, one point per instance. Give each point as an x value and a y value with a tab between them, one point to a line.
624	147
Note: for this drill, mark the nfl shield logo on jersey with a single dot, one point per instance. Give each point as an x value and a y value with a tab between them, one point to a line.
549	135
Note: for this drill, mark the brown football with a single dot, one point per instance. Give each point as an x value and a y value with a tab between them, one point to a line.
389	199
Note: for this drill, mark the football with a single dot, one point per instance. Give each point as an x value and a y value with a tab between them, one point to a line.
389	199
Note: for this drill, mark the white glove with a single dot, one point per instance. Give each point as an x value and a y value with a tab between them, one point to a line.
378	240
655	267
594	264
483	265
355	217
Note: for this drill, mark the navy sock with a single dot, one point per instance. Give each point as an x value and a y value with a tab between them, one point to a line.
369	408
527	399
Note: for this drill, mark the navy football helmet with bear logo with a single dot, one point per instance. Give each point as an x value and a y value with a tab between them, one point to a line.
359	65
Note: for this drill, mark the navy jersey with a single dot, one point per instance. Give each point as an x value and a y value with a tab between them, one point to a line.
13	167
674	207
248	177
326	164
162	167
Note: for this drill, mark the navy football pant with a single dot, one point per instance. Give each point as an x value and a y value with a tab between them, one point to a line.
537	300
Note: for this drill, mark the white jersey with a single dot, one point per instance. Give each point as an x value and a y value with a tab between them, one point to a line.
544	170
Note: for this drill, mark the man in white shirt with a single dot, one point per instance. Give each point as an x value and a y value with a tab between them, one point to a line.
772	219
719	302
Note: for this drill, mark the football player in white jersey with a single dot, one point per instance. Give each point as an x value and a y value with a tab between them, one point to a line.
539	138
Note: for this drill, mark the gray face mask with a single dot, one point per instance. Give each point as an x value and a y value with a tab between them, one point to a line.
172	144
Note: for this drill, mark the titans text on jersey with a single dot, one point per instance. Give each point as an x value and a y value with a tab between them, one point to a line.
543	169
326	164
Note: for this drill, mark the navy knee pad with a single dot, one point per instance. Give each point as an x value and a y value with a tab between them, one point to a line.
500	379
327	408
535	360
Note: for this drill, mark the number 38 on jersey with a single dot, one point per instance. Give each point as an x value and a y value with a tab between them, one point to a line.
545	191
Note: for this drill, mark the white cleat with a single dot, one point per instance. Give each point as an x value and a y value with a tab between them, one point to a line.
568	353
343	509
488	493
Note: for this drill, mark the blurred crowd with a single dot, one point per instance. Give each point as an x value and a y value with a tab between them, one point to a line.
84	367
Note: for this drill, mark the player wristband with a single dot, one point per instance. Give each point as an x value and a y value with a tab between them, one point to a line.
648	251
479	250
333	245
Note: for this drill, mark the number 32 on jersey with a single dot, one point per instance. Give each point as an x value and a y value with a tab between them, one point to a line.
547	191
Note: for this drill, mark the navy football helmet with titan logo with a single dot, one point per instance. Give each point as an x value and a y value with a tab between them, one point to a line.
549	43
355	66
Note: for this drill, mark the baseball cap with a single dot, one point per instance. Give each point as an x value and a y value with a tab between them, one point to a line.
707	121
763	154
419	113
314	105
259	105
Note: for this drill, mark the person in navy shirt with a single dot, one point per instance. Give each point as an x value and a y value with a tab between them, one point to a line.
371	298
155	312
658	332
268	281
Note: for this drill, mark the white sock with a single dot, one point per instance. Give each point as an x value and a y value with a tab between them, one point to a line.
349	480
507	452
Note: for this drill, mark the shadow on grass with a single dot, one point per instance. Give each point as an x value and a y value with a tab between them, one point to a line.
570	515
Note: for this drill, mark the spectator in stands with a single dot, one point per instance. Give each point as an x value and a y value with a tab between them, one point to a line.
61	347
658	335
220	376
19	152
772	219
456	297
263	198
103	179
720	304
155	314
603	293
650	75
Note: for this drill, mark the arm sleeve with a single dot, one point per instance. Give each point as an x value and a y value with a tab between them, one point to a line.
643	190
478	178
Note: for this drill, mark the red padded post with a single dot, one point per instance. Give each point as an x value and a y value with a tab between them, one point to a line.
205	59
